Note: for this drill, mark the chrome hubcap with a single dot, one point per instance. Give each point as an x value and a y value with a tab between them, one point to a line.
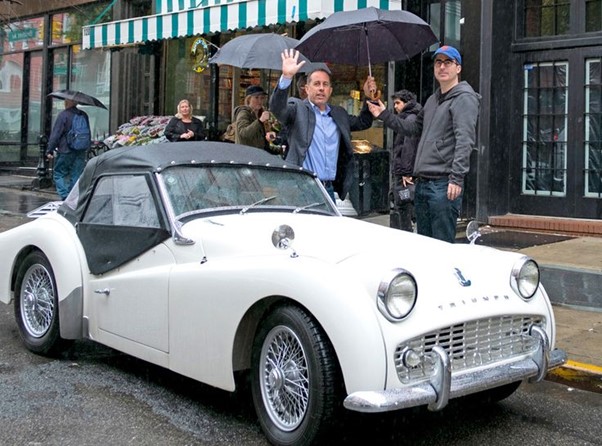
285	383
37	301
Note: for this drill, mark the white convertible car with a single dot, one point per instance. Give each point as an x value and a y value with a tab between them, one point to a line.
211	258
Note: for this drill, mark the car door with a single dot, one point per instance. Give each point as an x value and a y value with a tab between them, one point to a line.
122	233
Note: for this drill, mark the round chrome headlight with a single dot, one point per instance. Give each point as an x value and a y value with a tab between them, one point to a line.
525	278
397	295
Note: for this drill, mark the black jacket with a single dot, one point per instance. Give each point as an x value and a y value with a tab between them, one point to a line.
404	147
176	127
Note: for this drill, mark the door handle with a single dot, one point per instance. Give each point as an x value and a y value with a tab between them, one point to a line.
105	291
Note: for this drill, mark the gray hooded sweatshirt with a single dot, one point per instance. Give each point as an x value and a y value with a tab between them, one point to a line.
447	128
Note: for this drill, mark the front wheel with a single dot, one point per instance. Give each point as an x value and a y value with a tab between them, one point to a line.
36	306
295	378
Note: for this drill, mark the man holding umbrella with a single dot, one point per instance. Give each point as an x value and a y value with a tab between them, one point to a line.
69	163
319	134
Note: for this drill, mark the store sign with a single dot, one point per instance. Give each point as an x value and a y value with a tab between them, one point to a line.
22	34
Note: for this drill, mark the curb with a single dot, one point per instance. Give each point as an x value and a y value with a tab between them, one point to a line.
579	375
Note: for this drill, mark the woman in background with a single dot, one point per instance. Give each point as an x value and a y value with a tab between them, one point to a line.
183	126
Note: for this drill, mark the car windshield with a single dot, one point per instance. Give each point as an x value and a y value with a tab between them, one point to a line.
234	188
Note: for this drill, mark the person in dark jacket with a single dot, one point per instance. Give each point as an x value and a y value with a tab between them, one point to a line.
404	154
183	126
69	164
319	134
447	126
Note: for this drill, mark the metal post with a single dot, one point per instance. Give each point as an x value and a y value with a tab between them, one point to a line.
43	181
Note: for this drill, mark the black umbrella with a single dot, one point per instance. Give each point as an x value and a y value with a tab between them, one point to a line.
77	96
365	36
259	51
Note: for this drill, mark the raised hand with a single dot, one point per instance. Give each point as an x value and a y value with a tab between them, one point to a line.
370	89
290	63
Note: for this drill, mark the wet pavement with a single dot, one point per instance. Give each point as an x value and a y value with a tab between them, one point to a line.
22	201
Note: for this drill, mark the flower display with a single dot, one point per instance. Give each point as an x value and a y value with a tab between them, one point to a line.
140	130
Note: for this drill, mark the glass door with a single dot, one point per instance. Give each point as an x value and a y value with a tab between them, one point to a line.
34	103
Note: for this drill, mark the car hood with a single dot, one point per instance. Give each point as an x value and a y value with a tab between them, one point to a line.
341	240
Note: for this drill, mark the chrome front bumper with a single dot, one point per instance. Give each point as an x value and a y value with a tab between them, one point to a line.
442	386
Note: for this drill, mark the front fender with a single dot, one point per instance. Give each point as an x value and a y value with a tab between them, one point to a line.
208	302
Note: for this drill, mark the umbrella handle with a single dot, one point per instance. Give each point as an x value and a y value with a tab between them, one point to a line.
375	94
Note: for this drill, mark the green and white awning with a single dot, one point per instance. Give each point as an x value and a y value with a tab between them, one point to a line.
218	16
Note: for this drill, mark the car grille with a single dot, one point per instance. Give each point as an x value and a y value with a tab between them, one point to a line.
471	344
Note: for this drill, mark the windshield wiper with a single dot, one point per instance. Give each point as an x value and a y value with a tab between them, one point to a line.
257	203
308	206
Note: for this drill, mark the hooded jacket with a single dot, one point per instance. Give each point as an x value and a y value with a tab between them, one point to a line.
404	146
447	128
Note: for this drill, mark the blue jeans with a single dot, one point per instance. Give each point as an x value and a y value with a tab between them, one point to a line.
67	169
436	216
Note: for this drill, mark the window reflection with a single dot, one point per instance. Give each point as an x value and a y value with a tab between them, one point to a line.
593	128
545	118
546	17
90	73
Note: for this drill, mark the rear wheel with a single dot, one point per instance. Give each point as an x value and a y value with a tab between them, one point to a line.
295	378
36	306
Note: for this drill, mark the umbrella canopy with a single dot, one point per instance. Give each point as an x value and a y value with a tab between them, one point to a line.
77	96
366	36
259	51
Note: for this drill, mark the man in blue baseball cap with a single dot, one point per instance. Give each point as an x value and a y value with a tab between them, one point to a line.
447	125
450	52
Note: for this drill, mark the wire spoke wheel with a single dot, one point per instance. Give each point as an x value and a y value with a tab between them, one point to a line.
285	383
36	306
37	301
295	378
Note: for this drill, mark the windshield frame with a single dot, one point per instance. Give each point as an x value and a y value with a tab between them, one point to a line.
293	187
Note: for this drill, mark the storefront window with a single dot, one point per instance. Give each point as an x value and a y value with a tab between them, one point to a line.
67	27
546	17
545	128
187	77
60	59
453	20
593	128
90	73
11	91
23	35
36	74
593	15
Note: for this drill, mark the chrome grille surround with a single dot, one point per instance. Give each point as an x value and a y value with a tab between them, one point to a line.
470	344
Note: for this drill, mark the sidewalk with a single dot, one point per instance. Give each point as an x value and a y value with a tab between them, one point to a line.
571	270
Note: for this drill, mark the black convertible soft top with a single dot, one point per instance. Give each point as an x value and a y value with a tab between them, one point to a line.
155	157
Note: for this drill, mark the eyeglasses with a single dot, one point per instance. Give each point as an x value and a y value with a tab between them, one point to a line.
447	62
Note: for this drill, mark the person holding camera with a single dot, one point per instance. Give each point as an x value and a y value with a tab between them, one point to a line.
404	154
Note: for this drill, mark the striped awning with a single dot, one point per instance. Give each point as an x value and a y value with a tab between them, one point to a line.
218	16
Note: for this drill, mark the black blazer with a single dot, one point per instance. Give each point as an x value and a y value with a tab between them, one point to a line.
300	121
176	127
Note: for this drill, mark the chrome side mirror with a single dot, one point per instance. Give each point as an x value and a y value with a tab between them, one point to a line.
473	232
282	238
